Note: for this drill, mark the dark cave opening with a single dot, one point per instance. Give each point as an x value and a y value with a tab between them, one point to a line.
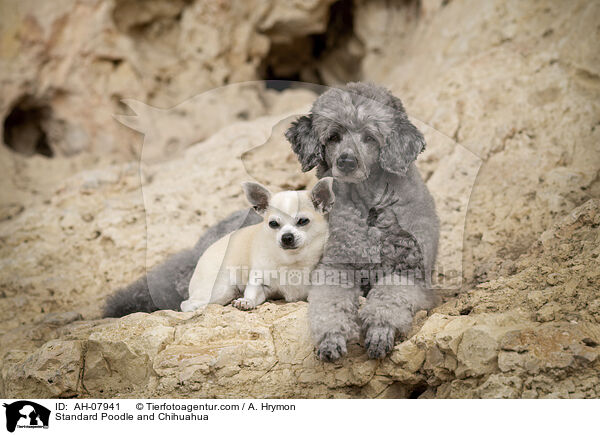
417	391
24	128
321	58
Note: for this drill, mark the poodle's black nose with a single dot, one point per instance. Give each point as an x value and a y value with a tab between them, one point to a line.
287	239
346	162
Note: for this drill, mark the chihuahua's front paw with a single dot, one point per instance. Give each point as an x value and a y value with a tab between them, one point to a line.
244	304
191	305
332	348
379	341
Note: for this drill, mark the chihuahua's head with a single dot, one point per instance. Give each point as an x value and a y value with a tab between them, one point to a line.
294	219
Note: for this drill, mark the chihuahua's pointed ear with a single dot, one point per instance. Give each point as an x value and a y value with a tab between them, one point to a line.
322	195
305	142
403	145
258	196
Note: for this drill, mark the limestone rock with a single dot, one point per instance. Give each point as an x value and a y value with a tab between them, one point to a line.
70	63
507	97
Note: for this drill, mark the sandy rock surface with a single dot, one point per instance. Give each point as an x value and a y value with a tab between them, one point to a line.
507	96
471	347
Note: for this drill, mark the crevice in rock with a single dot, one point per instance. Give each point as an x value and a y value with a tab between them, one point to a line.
466	311
269	370
80	384
331	57
589	342
25	128
417	390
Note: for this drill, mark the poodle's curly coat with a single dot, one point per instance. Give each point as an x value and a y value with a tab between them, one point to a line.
384	218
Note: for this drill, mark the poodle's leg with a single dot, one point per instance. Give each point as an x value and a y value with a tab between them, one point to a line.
333	315
390	308
166	285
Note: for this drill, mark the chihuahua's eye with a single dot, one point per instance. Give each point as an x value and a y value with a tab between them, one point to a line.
333	137
302	221
369	138
274	224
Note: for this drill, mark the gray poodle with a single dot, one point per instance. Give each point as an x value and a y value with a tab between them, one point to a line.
383	227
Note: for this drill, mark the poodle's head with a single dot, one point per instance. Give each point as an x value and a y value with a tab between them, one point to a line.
354	132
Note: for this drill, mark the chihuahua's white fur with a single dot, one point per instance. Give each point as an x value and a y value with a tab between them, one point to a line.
250	261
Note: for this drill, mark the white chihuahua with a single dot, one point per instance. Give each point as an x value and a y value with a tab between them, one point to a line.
266	260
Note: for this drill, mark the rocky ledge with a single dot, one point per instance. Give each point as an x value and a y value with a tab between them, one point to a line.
530	351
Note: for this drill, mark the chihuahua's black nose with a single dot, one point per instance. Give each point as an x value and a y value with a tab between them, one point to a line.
346	162
287	239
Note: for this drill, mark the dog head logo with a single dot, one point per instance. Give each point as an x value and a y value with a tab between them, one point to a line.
26	414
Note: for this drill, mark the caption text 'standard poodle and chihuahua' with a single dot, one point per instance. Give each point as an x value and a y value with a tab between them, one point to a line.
383	228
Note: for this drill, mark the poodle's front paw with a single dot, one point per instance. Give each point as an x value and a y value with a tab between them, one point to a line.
244	304
379	341
332	348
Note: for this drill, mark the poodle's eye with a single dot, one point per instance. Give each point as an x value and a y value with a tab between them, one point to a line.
274	224
333	137
369	138
302	221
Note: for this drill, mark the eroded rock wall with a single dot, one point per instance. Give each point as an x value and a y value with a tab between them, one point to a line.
510	86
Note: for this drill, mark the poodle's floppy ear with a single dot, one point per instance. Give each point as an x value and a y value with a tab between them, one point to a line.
322	195
258	196
403	145
305	142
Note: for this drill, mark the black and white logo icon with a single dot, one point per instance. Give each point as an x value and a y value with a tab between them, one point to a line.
25	414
